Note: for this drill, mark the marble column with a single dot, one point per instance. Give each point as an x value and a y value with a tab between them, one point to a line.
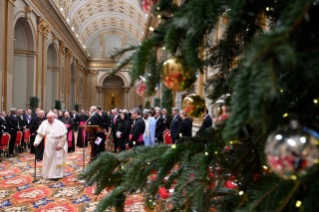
8	52
93	86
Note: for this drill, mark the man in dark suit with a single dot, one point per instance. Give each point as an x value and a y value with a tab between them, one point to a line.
34	126
23	123
160	127
115	121
167	119
40	148
69	123
185	129
81	120
136	134
3	123
96	119
13	128
176	122
207	122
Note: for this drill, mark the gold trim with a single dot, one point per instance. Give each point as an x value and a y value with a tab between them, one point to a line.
25	52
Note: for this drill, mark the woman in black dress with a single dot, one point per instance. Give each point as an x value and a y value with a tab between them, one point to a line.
123	131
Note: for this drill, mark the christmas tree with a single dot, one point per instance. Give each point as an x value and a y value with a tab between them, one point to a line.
272	82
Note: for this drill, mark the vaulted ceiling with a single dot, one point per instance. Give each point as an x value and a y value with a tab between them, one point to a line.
87	18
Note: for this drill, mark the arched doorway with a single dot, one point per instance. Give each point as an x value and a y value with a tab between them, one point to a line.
73	88
24	64
114	92
52	77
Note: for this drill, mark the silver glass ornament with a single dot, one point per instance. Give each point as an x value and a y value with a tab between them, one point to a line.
291	151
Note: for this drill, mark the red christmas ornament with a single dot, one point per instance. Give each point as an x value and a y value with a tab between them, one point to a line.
141	88
148	5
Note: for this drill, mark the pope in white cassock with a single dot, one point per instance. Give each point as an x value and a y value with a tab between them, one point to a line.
56	147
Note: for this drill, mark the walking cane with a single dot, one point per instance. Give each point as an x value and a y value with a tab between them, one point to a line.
35	167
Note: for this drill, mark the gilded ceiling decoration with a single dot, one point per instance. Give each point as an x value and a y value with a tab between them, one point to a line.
90	17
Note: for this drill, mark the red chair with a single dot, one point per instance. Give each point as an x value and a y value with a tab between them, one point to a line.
167	137
18	140
166	131
27	137
4	143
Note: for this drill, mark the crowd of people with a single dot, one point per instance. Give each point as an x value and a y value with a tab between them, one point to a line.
126	128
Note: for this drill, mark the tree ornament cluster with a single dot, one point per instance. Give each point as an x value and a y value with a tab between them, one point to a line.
175	77
291	151
194	105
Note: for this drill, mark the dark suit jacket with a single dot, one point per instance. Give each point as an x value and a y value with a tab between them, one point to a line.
207	122
3	125
114	125
96	119
137	130
70	122
175	126
185	128
22	121
12	123
34	125
106	120
167	121
160	127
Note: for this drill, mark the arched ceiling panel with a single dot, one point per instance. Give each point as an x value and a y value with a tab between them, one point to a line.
114	24
88	17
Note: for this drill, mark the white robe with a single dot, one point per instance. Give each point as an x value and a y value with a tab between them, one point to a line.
149	133
54	162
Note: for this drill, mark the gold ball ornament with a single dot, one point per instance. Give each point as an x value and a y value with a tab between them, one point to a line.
142	90
292	151
194	106
175	77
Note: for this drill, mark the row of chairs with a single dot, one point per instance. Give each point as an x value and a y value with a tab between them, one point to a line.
5	139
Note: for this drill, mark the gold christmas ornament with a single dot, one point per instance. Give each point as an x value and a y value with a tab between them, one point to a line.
175	77
141	88
194	106
292	151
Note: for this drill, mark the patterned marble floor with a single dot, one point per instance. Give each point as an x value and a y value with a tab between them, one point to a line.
19	193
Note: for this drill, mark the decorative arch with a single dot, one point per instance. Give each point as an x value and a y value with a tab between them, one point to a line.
24	62
52	75
101	82
20	15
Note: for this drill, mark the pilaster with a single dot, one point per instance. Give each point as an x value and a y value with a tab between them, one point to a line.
61	54
68	56
126	99
43	31
8	53
1	49
93	86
